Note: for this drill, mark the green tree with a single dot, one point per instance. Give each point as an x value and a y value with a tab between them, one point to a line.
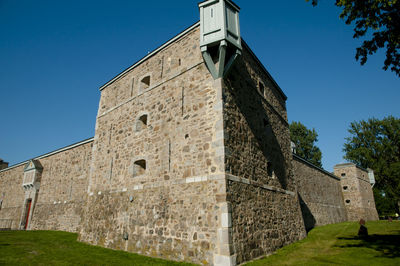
305	139
376	144
379	19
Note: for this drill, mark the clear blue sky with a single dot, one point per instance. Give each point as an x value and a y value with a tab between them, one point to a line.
54	55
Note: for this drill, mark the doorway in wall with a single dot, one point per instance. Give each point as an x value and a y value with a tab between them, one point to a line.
28	205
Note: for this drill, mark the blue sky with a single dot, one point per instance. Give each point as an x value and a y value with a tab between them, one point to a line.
54	55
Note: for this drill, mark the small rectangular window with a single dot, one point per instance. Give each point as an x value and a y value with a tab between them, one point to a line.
141	123
145	83
139	167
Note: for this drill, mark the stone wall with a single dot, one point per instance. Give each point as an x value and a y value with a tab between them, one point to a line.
261	189
155	180
357	192
320	195
12	196
62	190
63	185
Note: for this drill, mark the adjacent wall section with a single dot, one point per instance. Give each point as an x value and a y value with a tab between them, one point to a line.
12	197
62	192
319	193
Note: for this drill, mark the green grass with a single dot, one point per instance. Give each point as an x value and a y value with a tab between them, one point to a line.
62	248
335	244
338	244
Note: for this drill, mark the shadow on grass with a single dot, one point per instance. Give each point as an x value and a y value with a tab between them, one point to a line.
388	245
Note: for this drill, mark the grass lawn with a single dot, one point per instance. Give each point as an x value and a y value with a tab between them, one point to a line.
338	244
332	244
61	248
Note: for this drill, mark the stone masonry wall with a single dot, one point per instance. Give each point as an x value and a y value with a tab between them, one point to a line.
320	195
170	207
60	199
62	191
12	196
357	192
261	190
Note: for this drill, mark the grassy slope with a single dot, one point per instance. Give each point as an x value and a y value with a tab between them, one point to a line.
332	244
338	244
61	248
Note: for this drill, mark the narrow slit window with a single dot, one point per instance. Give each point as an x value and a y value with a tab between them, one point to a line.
270	170
141	123
145	83
132	86
261	88
139	167
266	123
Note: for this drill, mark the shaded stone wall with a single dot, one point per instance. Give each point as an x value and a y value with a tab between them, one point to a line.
171	208
261	189
357	192
320	195
12	196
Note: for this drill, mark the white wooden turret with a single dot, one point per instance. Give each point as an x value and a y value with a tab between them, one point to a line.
219	35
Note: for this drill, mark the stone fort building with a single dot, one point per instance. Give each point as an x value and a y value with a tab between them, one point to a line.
191	160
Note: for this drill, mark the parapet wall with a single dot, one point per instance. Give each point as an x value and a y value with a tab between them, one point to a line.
320	194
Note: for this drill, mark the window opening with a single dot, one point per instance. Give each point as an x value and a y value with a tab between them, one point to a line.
347	201
132	85
139	167
343	174
145	83
141	123
261	87
270	171
345	187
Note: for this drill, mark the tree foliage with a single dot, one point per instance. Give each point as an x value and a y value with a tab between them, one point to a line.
305	139
376	144
381	18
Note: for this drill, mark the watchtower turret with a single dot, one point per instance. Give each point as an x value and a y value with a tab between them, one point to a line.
220	39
